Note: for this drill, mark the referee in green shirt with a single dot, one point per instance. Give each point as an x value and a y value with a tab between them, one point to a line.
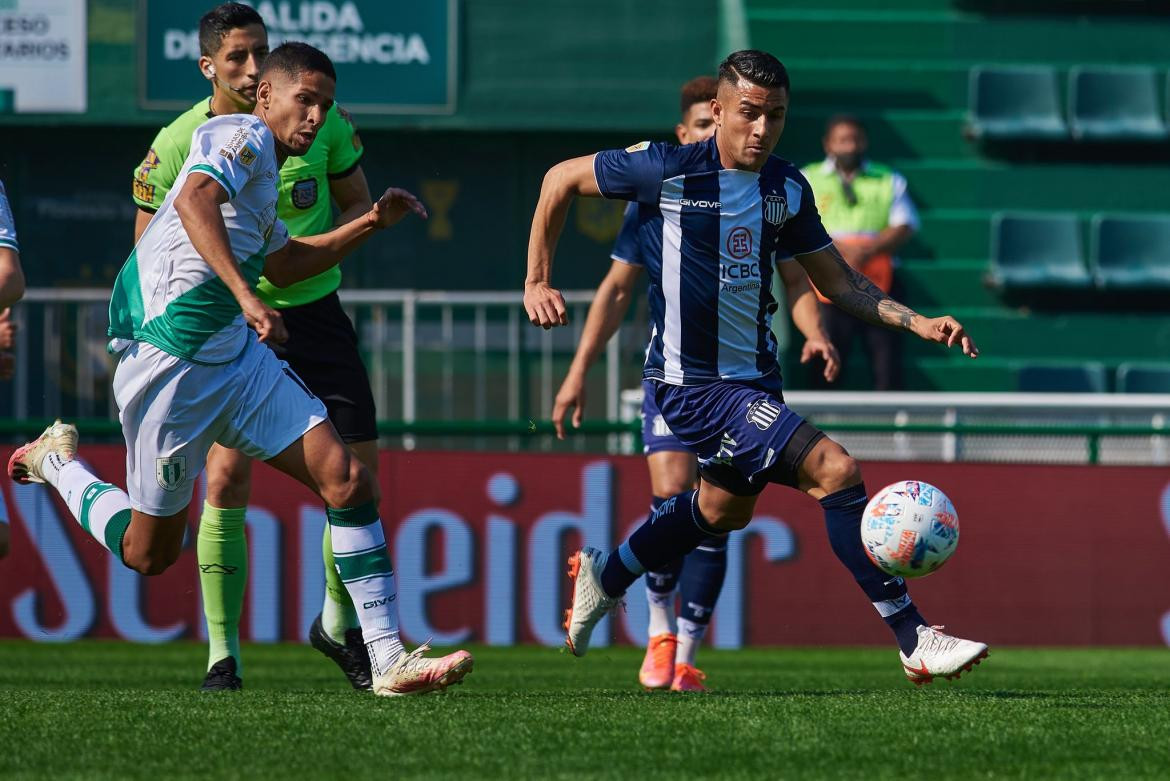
321	348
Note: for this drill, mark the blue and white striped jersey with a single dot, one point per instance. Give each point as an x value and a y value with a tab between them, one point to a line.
709	238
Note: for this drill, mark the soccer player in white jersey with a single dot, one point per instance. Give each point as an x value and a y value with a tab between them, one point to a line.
11	291
673	640
191	373
714	216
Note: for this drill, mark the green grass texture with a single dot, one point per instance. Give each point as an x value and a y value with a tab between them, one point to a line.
112	710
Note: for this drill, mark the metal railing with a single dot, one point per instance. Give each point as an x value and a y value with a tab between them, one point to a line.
431	354
467	369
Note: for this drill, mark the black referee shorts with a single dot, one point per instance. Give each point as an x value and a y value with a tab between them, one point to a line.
322	348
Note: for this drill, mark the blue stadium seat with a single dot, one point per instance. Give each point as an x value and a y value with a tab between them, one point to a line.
1086	377
1131	252
1143	378
1115	103
1037	250
1015	102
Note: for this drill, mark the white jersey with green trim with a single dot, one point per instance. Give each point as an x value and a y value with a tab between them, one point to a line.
166	294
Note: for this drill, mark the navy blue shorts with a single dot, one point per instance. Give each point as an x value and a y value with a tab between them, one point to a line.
656	435
742	432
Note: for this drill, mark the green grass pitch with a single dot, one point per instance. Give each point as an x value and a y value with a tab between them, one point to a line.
111	710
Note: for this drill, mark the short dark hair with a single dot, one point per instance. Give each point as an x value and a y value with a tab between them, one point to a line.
700	89
843	119
294	58
755	66
220	21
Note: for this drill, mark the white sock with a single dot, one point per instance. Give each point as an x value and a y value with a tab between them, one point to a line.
690	636
661	613
93	502
363	562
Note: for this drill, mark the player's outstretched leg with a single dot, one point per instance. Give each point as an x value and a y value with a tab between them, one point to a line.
362	560
702	580
101	508
222	552
829	474
657	669
600	579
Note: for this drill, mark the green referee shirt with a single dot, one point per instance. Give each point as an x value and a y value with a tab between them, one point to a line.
304	204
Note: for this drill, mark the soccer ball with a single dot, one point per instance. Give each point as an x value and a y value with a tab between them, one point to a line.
909	529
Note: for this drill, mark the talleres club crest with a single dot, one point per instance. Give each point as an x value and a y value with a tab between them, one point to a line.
775	210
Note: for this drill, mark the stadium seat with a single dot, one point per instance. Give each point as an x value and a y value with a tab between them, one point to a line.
1017	102
1070	378
1143	378
1115	103
1131	251
1037	251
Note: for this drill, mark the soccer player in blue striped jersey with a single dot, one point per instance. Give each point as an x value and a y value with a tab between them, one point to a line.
696	579
714	217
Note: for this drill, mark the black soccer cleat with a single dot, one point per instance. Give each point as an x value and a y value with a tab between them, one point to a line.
352	657
222	677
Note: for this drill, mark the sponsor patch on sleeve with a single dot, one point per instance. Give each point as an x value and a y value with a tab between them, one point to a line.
143	191
639	147
235	144
247	154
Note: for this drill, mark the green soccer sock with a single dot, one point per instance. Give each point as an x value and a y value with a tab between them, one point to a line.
223	576
337	613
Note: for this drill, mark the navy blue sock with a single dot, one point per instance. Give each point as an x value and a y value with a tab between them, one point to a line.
702	580
665	578
672	531
887	593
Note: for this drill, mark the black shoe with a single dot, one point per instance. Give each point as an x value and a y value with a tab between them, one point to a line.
222	677
352	658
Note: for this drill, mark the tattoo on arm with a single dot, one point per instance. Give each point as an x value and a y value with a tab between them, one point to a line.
865	300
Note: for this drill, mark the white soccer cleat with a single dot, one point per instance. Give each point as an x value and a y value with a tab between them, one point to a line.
414	673
590	602
940	655
25	465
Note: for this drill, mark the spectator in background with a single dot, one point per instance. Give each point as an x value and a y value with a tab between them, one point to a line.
868	212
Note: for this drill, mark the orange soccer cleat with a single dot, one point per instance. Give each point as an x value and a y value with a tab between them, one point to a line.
658	666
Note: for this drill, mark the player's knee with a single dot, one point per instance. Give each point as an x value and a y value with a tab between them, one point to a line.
351	485
726	517
836	469
673	486
229	483
150	562
728	520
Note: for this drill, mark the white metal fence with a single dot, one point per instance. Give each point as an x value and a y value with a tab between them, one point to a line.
473	356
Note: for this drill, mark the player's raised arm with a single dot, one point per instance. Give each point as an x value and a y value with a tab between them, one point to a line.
307	256
852	291
806	316
198	208
545	305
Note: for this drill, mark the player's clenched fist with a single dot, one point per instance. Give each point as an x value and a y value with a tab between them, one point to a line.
266	321
395	204
545	305
945	330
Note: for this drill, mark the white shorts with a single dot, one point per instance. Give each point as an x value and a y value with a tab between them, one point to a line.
172	411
